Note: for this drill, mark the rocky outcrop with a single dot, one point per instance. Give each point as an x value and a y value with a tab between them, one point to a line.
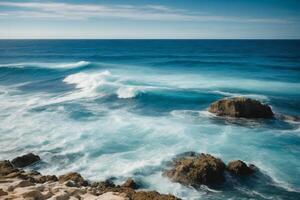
73	178
19	184
241	107
239	168
25	160
193	169
197	169
6	167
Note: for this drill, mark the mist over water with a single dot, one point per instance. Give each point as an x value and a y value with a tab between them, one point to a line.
124	108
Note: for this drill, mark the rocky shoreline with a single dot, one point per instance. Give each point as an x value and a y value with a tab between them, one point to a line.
15	183
189	169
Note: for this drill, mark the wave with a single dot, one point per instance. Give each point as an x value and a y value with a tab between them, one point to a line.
71	65
232	94
102	83
127	92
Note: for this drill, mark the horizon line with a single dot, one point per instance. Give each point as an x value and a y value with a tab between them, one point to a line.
149	38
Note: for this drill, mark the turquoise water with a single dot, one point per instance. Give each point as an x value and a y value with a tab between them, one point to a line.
123	108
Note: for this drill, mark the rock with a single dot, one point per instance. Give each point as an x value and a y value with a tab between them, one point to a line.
2	192
23	183
25	160
73	176
239	168
51	178
197	170
43	179
13	175
61	195
33	194
152	195
111	196
104	184
70	184
129	183
6	167
241	107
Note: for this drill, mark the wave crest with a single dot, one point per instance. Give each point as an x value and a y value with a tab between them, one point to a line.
70	65
127	92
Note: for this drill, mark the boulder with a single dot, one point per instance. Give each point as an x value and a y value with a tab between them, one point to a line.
25	160
241	107
196	170
73	176
239	168
6	168
129	183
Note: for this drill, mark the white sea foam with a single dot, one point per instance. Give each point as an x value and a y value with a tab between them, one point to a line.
127	92
117	142
47	65
232	94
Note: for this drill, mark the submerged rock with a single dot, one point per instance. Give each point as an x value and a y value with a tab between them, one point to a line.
197	170
238	167
241	107
25	160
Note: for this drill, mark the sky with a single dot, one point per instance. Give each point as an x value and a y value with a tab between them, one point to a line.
150	19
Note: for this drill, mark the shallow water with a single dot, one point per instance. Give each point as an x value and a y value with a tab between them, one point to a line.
123	108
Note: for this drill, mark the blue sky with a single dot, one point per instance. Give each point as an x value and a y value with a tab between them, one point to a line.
203	19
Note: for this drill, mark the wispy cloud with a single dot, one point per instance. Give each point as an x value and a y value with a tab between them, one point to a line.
69	11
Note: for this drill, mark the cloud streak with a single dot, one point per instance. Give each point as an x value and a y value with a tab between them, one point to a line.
67	11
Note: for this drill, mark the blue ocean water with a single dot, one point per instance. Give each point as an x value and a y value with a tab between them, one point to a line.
123	108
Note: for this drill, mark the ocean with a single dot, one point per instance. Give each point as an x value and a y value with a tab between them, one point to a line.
113	109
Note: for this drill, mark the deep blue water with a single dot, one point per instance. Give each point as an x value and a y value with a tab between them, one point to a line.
123	108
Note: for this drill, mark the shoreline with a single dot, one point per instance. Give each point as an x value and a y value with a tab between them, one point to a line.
16	183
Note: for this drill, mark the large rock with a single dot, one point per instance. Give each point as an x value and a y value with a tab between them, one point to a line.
197	169
6	167
238	167
241	107
75	177
25	160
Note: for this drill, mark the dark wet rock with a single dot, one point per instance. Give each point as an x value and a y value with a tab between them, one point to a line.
73	176
70	184
6	168
25	160
130	183
43	179
196	170
239	168
104	184
241	107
